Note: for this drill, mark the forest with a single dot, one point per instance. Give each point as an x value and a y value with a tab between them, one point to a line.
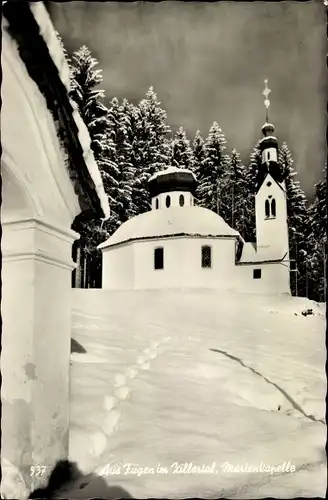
131	142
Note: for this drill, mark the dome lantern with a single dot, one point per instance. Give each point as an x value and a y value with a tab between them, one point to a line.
172	187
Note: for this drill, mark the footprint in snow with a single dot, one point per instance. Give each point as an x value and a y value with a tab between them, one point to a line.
132	371
98	444
122	392
119	380
110	422
110	402
153	355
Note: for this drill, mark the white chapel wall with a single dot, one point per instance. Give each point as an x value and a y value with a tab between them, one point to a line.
274	278
271	232
118	267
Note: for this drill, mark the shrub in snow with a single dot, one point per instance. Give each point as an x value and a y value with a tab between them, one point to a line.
307	312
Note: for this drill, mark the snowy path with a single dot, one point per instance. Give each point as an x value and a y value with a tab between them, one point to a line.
182	378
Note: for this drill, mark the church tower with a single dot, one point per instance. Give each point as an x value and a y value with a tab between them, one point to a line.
270	199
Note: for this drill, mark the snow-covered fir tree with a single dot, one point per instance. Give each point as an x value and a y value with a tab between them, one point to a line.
212	169
316	234
152	147
119	180
85	79
297	221
252	172
199	152
234	194
182	154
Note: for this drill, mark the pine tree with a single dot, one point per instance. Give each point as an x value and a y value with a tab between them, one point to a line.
316	258
182	154
212	169
152	150
297	221
85	79
89	98
199	152
234	198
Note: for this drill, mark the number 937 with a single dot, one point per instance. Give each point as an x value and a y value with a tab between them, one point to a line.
37	470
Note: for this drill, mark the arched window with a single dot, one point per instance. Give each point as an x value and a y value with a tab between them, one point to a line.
273	207
159	258
181	200
206	256
168	201
267	208
268	155
157	204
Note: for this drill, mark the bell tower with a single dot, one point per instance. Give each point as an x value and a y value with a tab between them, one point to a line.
270	199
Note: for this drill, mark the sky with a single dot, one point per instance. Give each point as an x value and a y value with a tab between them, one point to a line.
208	61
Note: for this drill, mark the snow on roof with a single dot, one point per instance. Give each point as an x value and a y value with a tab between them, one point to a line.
48	33
171	170
171	221
268	137
90	161
249	253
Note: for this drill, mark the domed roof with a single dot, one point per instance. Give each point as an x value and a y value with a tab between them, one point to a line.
192	221
172	179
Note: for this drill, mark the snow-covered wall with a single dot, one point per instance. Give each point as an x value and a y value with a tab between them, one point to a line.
131	265
118	268
272	230
274	278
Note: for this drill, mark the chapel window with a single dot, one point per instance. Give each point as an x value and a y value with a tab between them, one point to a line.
206	256
267	208
157	204
257	274
273	207
181	200
168	201
159	258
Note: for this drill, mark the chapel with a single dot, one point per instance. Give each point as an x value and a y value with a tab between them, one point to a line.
178	244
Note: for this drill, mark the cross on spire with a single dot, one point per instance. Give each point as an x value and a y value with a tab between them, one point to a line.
266	93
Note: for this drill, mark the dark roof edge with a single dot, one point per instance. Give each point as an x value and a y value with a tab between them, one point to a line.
176	235
41	68
252	263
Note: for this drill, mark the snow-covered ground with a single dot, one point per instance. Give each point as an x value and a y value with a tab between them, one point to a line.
222	382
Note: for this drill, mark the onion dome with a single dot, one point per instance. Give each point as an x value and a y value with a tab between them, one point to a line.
172	179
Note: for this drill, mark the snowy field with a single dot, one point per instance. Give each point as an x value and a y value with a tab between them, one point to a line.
172	381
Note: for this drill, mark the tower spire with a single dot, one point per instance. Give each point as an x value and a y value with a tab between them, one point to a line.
266	93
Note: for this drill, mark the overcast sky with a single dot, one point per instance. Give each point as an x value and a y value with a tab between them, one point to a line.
207	62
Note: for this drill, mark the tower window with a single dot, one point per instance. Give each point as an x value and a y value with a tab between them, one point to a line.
168	201
269	183
206	256
273	207
181	200
257	274
267	208
268	155
159	258
157	204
